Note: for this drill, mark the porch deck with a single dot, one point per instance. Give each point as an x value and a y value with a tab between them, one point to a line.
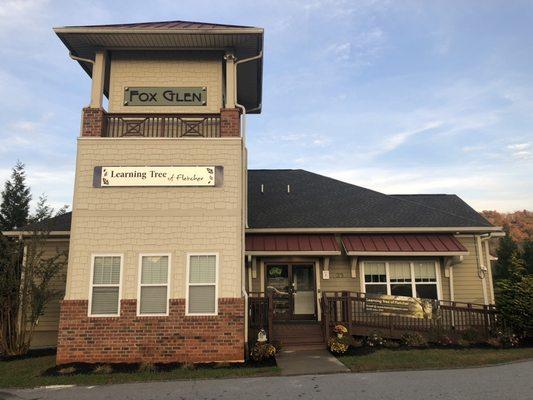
349	309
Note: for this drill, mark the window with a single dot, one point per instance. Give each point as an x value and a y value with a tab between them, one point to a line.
105	285
153	284
375	277
402	278
202	295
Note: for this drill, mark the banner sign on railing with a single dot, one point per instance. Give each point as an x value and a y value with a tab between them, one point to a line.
108	176
399	306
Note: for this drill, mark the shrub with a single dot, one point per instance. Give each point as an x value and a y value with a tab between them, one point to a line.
494	342
463	343
446	340
391	344
515	298
413	339
507	340
67	370
262	352
472	335
375	339
337	345
103	369
147	367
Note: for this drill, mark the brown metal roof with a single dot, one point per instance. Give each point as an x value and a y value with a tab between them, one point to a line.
163	25
288	244
430	244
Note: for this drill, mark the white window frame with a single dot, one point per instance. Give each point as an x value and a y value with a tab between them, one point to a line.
140	284
413	282
188	284
91	285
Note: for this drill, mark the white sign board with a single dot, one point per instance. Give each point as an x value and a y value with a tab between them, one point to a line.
325	274
157	176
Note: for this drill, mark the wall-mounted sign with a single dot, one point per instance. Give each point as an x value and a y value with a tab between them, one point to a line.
325	274
165	96
157	176
398	305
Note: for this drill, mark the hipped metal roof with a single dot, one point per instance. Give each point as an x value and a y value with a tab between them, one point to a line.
244	41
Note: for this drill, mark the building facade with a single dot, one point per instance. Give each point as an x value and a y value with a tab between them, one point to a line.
172	240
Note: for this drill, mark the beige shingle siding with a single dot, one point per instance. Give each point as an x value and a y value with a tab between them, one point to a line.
130	69
157	219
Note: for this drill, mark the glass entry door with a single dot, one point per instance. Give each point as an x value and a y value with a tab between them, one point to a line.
293	290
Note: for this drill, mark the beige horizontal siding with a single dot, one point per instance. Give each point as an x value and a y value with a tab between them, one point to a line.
45	334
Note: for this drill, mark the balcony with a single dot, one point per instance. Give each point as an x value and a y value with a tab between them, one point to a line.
97	122
162	125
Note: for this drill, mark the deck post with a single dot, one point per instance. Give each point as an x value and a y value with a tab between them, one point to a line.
270	315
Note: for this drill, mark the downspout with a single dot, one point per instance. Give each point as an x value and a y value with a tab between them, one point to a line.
245	197
482	270
76	58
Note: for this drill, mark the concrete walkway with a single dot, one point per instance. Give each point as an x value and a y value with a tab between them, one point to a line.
309	362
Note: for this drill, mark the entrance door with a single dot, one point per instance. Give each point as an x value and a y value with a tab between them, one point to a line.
293	290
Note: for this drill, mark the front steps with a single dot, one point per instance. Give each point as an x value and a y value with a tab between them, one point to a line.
299	335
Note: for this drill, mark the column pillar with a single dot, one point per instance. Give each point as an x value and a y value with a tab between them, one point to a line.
98	75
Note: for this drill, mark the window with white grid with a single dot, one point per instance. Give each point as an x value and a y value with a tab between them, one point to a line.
202	296
105	285
153	284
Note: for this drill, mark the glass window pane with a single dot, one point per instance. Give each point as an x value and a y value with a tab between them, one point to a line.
106	270
400	271
202	269
202	299
425	271
375	272
401	290
154	269
426	291
104	300
376	289
153	300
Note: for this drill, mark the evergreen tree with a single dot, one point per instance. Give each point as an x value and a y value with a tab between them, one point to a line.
16	196
527	256
506	249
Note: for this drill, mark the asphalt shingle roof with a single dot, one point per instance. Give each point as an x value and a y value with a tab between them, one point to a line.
316	201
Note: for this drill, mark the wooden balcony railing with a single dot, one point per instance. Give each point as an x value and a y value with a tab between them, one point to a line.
348	309
162	125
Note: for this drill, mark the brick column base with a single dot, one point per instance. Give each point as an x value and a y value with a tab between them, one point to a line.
132	339
230	122
93	122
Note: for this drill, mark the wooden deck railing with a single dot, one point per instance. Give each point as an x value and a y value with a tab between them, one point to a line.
162	125
348	309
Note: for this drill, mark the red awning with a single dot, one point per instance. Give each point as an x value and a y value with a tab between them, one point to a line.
404	244
274	244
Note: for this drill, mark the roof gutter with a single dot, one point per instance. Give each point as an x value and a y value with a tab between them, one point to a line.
455	230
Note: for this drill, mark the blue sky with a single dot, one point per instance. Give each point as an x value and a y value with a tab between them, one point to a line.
397	96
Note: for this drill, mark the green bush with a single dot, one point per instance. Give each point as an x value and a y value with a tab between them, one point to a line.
413	339
515	299
375	339
472	335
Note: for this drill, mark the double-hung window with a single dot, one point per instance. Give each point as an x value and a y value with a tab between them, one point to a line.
153	284
202	277
105	285
402	278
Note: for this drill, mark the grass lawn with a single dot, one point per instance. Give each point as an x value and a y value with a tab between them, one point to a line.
33	371
386	359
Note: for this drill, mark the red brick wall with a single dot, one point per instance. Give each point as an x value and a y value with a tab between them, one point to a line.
172	338
93	122
230	122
